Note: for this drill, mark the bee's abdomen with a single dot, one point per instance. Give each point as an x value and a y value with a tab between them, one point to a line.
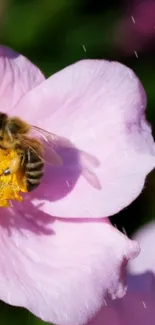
33	170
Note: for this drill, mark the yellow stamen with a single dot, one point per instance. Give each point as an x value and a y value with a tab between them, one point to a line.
10	185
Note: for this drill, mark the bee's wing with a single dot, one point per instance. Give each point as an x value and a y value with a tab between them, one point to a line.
48	139
46	135
51	138
87	161
51	157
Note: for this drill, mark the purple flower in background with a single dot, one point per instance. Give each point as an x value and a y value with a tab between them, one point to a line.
136	31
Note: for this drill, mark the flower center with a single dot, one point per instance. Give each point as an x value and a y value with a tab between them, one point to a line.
10	185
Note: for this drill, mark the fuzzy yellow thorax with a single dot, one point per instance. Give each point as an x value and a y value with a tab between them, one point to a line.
10	185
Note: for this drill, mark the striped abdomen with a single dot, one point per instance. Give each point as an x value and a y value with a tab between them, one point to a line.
33	169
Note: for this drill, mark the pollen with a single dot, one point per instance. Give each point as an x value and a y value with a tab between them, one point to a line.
11	185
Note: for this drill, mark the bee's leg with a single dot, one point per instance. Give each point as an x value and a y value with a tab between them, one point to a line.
28	155
22	159
21	154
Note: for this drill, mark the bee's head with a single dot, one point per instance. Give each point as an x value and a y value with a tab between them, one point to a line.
10	130
16	126
4	136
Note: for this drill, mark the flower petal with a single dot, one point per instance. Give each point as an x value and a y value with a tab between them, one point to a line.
146	260
139	303
60	269
98	105
18	75
136	307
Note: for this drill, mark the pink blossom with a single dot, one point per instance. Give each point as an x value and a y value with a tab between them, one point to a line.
60	256
138	306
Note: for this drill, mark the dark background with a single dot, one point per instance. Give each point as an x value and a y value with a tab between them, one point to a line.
56	33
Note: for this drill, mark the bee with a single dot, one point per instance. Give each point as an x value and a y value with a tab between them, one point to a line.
14	134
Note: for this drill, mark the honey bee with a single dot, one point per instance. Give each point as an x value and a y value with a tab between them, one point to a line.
14	135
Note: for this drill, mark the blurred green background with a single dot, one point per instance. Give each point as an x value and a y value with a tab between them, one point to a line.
56	33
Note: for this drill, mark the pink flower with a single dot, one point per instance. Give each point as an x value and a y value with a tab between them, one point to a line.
138	306
60	256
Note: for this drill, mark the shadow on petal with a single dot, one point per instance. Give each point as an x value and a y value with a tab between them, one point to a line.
58	181
31	219
56	184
